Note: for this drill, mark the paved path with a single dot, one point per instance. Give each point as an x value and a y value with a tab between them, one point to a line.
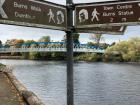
8	93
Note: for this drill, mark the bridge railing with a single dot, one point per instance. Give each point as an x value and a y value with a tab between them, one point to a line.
53	47
9	50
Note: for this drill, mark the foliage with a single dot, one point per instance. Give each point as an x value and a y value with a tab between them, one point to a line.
10	42
0	43
14	42
29	41
75	38
97	38
2	65
89	57
45	39
101	45
129	50
34	55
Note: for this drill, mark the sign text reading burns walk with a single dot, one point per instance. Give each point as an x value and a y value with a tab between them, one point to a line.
33	13
104	14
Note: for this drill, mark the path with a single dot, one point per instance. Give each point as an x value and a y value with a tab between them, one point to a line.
8	93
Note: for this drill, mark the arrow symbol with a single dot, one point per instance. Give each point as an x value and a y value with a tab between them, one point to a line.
122	28
2	12
139	4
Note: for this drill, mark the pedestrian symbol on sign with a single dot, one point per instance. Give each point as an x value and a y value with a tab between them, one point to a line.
51	14
95	15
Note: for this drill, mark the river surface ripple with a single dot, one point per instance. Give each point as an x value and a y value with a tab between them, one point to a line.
94	83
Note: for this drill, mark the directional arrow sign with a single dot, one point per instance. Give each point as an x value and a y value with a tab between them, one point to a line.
110	13
33	13
114	30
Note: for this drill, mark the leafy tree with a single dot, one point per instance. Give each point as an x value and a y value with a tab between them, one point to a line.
97	38
10	42
28	43
45	39
34	55
75	38
14	42
129	50
18	43
0	43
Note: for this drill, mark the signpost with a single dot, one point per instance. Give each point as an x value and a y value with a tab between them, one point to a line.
114	30
94	18
104	14
69	34
33	13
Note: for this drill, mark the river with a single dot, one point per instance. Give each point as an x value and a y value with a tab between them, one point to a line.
94	83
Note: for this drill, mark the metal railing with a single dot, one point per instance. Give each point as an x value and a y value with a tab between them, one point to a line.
50	49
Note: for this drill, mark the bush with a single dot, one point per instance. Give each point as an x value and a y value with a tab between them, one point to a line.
129	51
88	57
2	65
34	55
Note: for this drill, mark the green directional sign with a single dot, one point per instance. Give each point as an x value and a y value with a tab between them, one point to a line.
108	13
33	13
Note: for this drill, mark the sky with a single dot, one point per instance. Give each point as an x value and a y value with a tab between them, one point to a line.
28	33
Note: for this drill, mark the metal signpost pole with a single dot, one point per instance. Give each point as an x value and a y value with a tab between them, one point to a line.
70	93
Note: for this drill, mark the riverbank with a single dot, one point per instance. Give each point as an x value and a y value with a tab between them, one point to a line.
12	92
89	57
10	57
8	93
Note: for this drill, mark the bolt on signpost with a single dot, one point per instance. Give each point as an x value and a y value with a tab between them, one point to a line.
69	32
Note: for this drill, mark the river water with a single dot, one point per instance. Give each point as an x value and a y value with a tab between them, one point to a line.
94	83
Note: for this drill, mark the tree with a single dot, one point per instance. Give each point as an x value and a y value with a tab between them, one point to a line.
10	42
18	43
97	38
129	50
45	39
0	43
14	42
28	43
75	38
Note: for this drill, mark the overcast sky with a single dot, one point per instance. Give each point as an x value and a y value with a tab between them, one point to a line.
18	32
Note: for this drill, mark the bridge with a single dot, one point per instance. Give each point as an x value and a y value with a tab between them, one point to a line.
50	47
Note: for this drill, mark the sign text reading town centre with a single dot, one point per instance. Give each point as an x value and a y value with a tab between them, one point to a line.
104	14
33	13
